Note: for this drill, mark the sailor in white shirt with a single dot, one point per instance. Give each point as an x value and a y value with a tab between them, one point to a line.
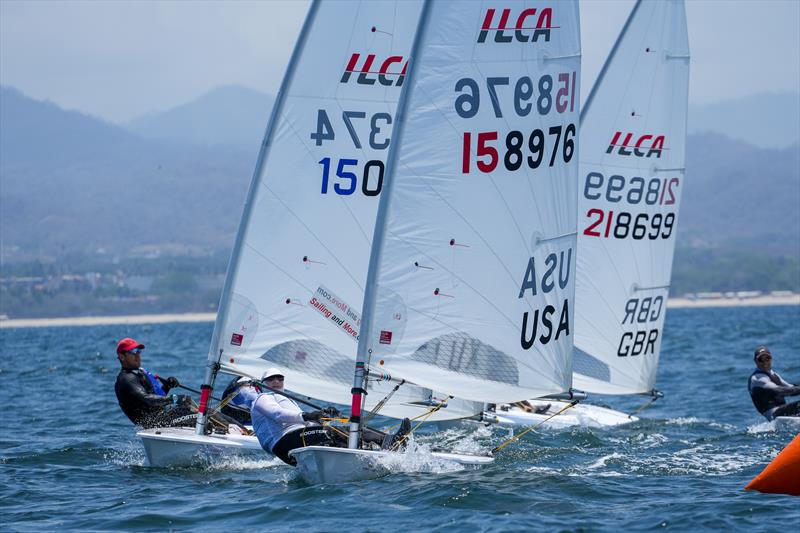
280	424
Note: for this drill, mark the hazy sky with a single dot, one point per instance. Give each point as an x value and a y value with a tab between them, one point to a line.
120	59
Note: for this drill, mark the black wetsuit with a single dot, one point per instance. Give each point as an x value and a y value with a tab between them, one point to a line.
767	390
317	435
313	435
140	403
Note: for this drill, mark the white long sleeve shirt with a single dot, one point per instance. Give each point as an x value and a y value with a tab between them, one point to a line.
273	417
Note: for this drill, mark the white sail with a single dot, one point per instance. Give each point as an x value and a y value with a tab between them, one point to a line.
471	281
297	275
633	136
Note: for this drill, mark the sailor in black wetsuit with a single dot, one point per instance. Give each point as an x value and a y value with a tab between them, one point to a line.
143	397
767	388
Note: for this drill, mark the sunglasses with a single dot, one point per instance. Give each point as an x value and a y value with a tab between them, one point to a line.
135	351
763	357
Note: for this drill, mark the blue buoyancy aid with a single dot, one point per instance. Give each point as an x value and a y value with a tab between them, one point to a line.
156	384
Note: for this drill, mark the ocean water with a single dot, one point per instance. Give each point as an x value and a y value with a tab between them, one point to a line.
69	459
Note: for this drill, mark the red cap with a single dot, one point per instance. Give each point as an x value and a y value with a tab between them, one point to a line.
127	344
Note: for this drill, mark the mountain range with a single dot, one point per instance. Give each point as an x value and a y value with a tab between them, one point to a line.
230	115
73	183
766	120
70	182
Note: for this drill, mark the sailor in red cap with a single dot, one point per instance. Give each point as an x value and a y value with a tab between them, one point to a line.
142	396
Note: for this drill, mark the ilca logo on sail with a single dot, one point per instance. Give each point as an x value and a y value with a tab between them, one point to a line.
392	71
542	27
645	146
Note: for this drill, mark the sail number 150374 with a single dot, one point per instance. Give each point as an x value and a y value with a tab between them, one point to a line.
345	182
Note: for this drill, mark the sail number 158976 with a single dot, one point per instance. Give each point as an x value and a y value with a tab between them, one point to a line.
520	149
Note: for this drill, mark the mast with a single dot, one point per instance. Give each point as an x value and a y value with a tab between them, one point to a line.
370	290
215	352
609	59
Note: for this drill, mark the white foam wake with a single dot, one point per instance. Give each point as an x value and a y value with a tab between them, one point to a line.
417	458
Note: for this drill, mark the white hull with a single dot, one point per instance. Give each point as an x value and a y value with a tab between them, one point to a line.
585	415
319	464
183	447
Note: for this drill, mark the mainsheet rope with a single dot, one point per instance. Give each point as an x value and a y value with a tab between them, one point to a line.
518	436
656	396
425	417
396	445
382	403
213	398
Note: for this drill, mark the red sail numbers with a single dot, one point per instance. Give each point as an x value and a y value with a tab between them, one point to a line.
644	146
382	74
543	24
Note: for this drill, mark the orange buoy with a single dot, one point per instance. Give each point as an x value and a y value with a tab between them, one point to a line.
782	475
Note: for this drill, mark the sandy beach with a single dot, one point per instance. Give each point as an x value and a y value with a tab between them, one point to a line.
674	303
755	301
105	320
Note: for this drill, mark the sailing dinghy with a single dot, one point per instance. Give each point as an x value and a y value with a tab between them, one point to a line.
472	272
633	146
632	157
295	284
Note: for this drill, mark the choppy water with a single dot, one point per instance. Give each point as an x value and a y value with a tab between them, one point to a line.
69	458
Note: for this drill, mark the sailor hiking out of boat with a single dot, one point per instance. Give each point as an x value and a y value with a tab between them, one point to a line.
767	388
142	396
281	426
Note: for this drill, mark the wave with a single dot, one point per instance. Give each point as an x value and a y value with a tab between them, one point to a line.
780	424
417	458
